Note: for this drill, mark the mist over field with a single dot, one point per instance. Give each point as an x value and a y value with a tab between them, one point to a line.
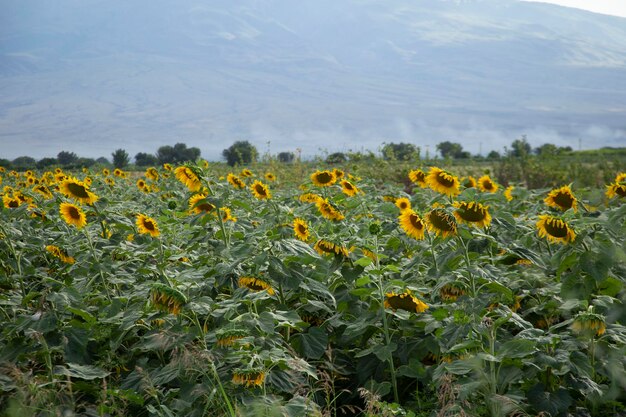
321	75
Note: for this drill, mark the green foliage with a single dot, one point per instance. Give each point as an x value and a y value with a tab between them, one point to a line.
143	159
240	152
336	158
67	158
449	149
286	157
177	154
400	151
120	158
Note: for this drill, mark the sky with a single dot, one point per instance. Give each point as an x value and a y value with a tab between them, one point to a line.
612	7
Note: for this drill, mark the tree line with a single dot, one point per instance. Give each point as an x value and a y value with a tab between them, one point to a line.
243	152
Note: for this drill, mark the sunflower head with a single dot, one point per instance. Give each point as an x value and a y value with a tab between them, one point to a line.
77	190
270	177
326	247
11	202
589	324
616	190
251	377
260	190
228	337
323	178
418	177
147	225
255	284
339	174
403	204
441	222
310	198
562	199
246	173
348	188
328	210
412	224
152	174
166	298
235	181
60	253
469	182
404	301
508	193
555	229
73	215
443	182
472	213
485	184
451	291
227	215
199	205
188	177
301	229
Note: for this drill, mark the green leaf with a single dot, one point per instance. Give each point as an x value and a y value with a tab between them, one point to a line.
364	261
86	372
363	281
517	348
311	344
384	352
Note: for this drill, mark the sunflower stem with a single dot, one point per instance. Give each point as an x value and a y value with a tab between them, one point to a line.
470	276
93	254
432	252
18	261
225	237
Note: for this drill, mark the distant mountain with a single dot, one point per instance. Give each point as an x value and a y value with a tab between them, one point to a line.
92	76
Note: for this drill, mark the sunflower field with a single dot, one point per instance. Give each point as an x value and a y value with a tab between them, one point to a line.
191	291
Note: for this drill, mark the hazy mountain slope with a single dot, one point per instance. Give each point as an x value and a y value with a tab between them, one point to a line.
91	75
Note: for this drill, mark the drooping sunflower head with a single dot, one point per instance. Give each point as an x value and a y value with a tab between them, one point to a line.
253	377
255	284
443	182
198	204
228	337
348	188
418	177
77	190
589	324
73	215
485	184
43	190
328	210
472	213
469	182
260	190
508	193
412	224
61	254
235	181
166	298
441	222
147	225
555	229
451	291
562	199
323	178
403	204
310	198
188	177
301	229
246	173
404	301
152	173
326	247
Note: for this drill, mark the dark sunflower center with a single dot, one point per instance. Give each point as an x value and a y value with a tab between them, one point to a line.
416	222
621	190
487	185
442	221
556	228
324	177
402	303
445	179
472	214
564	200
260	190
148	225
256	286
301	229
327	247
404	205
77	190
14	203
420	176
205	207
73	212
348	186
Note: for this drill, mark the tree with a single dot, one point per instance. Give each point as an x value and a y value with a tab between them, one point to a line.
24	162
120	158
286	157
5	163
103	161
336	158
449	149
240	152
143	159
177	154
67	158
493	155
400	151
520	148
44	163
85	162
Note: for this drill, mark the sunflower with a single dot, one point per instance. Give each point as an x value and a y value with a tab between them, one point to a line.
78	190
412	224
227	215
73	215
110	182
451	291
188	177
389	198
555	229
147	225
198	206
443	182
141	183
508	193
589	324
485	184
328	210
60	253
621	177
348	188
249	377
152	173
403	204
616	189
235	181
441	222
246	173
310	198
10	202
323	178
106	172
418	177
405	301
260	190
167	167
469	182
118	172
166	298
256	284
270	177
562	199
228	337
301	229
472	213
339	174
326	247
